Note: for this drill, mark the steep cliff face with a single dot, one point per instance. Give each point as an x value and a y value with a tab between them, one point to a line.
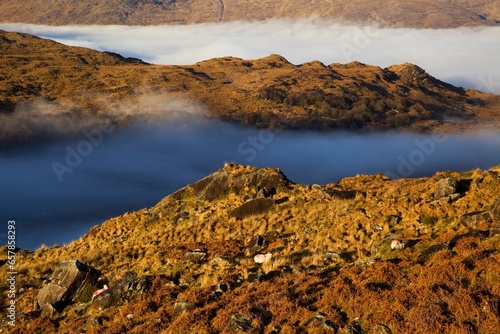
366	254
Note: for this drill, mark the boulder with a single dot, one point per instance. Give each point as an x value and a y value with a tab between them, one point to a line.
240	322
66	283
253	207
445	187
319	322
426	254
382	329
494	230
196	256
123	291
495	211
474	233
181	307
264	193
473	219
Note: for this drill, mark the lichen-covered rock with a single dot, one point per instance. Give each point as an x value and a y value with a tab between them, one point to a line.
123	291
446	187
253	207
240	322
67	281
495	211
473	219
426	254
181	307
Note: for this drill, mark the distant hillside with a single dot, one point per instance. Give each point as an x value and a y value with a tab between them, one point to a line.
394	13
42	81
247	250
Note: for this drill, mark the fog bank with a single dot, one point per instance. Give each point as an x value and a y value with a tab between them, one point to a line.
56	192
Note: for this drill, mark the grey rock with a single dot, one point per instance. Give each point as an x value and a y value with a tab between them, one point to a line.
495	211
263	193
382	329
472	219
393	220
240	322
67	281
474	233
181	307
196	256
253	207
426	254
495	230
320	322
256	243
445	187
123	291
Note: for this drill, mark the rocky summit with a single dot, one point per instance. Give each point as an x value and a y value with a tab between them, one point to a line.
51	90
248	250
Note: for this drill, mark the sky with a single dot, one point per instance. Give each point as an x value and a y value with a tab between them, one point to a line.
467	57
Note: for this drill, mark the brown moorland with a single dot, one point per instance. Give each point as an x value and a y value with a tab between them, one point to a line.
186	265
394	13
44	82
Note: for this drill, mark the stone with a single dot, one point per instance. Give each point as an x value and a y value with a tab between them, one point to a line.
393	220
426	254
445	187
181	307
495	211
494	230
382	329
240	322
474	233
219	184
196	256
253	207
321	323
67	281
123	291
256	243
263	193
473	219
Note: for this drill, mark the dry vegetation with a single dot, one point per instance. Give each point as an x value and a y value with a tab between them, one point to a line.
46	86
332	269
394	13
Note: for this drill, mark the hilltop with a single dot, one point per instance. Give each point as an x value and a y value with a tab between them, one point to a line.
44	84
396	13
364	255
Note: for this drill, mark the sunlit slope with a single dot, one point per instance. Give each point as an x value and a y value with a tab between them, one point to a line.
42	81
395	13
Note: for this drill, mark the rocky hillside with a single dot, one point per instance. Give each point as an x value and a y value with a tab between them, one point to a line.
46	86
395	13
248	250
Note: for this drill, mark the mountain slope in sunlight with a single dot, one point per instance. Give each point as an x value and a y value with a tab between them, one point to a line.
44	82
395	13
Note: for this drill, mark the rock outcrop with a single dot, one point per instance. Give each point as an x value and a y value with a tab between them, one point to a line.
67	281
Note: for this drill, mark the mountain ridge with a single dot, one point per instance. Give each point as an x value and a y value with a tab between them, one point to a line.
53	82
395	13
